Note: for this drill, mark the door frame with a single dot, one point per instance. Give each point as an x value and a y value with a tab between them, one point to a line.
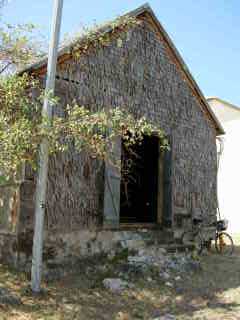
112	182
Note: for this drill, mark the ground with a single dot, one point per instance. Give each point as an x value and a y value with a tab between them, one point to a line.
211	292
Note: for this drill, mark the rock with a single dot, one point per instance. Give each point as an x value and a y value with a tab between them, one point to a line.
162	251
115	285
156	260
169	284
165	275
167	316
8	298
141	252
122	316
139	259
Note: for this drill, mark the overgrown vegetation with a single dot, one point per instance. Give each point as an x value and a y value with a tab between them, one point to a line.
18	46
99	35
22	127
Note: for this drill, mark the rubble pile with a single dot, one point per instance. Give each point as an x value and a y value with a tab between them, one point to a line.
149	264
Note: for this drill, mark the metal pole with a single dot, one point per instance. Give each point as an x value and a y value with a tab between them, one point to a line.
44	150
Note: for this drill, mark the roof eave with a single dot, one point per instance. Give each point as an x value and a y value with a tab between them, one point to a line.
224	102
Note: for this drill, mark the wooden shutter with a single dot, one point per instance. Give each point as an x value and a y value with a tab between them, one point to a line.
111	212
167	188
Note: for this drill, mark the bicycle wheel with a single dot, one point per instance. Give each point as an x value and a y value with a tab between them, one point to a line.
195	240
224	243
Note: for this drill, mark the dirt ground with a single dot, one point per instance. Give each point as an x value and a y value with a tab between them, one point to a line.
211	293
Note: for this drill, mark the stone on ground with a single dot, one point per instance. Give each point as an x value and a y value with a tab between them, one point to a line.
115	285
6	297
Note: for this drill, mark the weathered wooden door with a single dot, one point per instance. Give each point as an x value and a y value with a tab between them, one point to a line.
167	188
112	180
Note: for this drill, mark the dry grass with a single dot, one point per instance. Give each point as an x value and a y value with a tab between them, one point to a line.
213	294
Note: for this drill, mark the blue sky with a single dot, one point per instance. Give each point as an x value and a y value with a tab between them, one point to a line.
206	32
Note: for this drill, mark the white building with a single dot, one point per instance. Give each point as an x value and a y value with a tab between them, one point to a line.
229	165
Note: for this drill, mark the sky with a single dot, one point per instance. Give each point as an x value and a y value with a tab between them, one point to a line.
206	32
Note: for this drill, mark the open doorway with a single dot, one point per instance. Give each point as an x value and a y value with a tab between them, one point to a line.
139	182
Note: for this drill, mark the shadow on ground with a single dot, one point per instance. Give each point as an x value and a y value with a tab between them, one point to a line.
210	293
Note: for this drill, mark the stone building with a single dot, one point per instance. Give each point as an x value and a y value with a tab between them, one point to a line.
86	213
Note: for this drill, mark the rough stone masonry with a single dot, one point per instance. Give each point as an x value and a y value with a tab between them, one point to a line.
137	73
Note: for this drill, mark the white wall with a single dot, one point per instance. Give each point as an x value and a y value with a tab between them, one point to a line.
229	167
224	112
229	176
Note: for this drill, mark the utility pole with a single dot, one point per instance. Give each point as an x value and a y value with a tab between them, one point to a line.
44	151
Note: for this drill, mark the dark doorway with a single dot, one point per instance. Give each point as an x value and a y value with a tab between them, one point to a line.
139	182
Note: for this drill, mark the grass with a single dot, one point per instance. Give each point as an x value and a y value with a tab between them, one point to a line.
212	293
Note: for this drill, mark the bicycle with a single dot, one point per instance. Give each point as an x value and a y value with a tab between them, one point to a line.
194	236
223	241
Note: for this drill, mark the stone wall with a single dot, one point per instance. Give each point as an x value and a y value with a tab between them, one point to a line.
9	207
9	216
136	73
65	249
